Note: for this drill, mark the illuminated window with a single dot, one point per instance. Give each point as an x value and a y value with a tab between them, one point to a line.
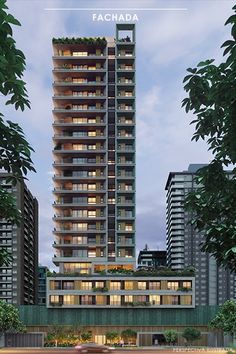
86	285
142	285
54	299
155	299
99	284
92	213
187	284
92	133
68	299
128	285
154	285
172	285
115	285
128	298
115	300
92	186
92	253
91	200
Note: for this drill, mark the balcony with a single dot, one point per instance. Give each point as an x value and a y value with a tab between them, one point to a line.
70	82
79	108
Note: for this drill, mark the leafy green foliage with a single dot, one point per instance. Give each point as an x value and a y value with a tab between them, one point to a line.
170	336
112	336
9	318
86	336
225	319
191	334
84	40
15	151
129	334
62	336
212	98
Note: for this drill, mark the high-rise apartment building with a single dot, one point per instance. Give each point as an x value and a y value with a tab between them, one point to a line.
94	152
42	280
214	285
94	162
18	281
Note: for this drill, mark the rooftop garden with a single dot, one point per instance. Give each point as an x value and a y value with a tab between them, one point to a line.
159	272
93	41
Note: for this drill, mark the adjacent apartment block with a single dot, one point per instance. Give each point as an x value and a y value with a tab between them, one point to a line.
152	259
42	279
214	285
18	281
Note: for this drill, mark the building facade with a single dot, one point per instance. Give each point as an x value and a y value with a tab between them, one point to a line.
18	281
42	280
214	284
120	291
151	258
94	152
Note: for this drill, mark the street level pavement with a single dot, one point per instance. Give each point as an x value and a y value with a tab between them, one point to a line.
117	351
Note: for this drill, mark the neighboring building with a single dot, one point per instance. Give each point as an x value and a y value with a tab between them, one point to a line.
94	152
151	258
42	279
214	285
18	282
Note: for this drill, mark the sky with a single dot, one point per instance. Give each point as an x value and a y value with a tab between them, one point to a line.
170	37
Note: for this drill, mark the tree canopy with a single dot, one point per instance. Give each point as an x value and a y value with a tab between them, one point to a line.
225	319
15	151
9	318
211	97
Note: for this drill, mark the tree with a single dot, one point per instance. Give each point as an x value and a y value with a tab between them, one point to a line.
225	319
112	336
170	336
15	151
128	335
191	334
9	318
86	336
211	97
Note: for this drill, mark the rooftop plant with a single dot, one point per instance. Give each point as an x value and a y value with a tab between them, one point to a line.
96	41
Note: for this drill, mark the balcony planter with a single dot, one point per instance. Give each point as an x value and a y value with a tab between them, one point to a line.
100	289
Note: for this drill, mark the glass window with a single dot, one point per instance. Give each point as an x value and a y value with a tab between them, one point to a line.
92	213
128	285
128	298
155	299
99	284
187	284
68	285
115	300
115	285
175	300
154	285
172	285
86	300
68	299
54	299
86	285
142	285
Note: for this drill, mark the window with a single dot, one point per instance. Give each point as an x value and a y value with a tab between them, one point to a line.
115	300
86	300
80	240
99	284
93	133
128	285
128	298
79	120
86	285
142	285
128	227
92	253
92	213
172	285
79	213
92	173
175	300
54	299
68	285
141	298
80	226
187	284
91	200
92	187
155	299
154	285
115	285
68	299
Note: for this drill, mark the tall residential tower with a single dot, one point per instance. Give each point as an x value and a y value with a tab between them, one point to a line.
94	152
